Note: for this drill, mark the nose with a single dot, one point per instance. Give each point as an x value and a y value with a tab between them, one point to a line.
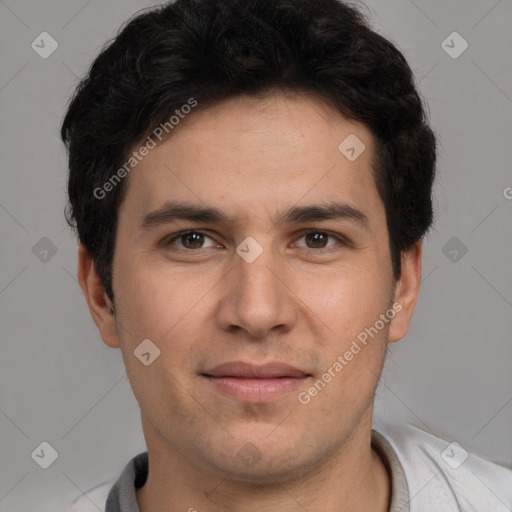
257	298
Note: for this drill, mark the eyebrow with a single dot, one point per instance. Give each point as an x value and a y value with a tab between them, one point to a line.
330	211
172	211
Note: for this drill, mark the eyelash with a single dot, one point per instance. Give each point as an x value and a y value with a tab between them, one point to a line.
341	240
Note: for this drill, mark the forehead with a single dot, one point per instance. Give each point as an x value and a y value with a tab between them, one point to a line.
249	154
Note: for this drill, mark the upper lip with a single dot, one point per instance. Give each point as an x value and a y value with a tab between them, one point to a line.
241	369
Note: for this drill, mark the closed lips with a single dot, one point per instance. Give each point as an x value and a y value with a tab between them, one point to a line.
242	370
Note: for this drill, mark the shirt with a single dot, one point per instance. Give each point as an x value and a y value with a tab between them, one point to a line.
428	474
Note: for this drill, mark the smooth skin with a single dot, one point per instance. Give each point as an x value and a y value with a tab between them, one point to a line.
302	301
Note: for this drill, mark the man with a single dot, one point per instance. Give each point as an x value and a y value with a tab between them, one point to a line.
251	181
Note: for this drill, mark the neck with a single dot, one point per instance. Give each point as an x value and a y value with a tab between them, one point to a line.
351	478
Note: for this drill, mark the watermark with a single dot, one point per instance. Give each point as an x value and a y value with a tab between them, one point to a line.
44	250
44	455
454	249
352	147
137	156
304	397
146	352
507	192
454	455
249	249
454	45
249	454
44	45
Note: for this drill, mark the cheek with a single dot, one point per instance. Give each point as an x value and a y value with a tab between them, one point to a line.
353	354
154	301
171	310
162	309
347	300
350	304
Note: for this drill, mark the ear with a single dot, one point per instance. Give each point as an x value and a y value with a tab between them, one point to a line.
406	292
97	300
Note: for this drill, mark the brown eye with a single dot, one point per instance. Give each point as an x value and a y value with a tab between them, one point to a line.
316	240
190	240
321	241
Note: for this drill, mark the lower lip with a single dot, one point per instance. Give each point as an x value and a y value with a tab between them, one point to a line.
256	390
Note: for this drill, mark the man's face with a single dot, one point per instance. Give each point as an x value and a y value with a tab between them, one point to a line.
302	301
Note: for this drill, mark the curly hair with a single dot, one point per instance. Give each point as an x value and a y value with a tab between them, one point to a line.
212	50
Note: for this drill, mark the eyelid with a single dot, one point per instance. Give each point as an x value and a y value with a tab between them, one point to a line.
338	236
169	240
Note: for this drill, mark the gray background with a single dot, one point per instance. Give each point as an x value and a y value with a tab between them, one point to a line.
60	384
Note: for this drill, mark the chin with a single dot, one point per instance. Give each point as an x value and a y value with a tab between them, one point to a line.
260	460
